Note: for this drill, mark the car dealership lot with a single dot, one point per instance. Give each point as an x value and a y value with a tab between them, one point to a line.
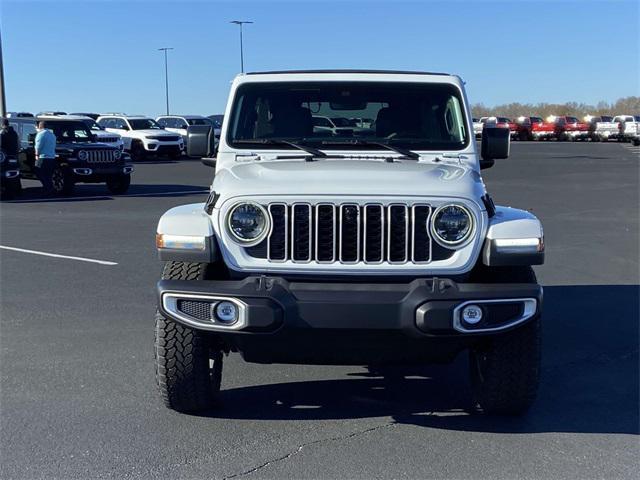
78	397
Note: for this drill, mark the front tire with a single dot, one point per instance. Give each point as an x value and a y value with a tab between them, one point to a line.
188	364
505	370
62	180
138	153
119	184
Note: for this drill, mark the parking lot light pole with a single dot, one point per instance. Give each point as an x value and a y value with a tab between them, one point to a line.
240	23
166	75
3	101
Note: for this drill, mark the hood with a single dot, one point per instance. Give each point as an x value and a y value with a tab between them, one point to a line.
151	132
103	133
371	178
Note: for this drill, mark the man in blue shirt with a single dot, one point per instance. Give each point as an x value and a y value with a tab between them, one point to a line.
45	157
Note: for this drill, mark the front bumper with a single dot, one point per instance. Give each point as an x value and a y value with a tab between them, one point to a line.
348	323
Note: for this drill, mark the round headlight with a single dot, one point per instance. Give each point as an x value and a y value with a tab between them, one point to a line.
248	223
82	155
116	154
452	225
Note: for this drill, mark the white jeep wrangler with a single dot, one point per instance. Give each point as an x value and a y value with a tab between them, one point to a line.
365	247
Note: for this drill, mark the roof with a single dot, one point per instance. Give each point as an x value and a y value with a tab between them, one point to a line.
181	116
396	72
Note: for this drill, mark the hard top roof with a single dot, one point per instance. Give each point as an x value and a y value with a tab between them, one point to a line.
395	72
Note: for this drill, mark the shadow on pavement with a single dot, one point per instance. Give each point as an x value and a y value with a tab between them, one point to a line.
589	379
92	192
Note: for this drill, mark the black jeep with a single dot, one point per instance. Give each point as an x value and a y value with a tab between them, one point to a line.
79	157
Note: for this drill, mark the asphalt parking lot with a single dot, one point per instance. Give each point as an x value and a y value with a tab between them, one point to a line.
78	396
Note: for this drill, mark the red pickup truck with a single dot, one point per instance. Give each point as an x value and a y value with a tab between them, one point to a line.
570	129
545	130
525	126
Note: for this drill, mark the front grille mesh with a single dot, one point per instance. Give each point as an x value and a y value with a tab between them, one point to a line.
101	156
196	309
349	233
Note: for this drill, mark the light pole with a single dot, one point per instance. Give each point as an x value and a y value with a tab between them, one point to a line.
3	101
166	75
240	23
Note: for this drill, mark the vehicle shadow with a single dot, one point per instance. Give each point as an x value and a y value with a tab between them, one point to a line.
589	379
99	192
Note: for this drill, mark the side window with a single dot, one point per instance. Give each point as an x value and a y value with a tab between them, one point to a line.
27	134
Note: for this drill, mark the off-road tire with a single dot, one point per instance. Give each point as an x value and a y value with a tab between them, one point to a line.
188	366
62	180
505	370
119	184
138	153
11	188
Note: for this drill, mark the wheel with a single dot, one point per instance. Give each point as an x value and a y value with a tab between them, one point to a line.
524	135
118	184
11	188
62	181
636	142
505	370
188	364
138	152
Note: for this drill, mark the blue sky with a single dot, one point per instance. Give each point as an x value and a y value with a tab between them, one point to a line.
98	55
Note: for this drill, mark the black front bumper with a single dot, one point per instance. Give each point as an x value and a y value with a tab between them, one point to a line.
352	323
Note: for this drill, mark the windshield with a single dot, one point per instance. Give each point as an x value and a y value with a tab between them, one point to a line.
69	131
418	116
144	124
572	120
199	121
605	118
92	125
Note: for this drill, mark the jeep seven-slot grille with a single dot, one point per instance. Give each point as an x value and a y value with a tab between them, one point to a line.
101	156
350	233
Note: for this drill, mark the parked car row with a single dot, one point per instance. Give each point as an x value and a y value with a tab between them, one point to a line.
603	128
81	157
140	136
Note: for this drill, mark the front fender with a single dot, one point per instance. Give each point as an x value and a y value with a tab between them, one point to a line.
514	237
188	221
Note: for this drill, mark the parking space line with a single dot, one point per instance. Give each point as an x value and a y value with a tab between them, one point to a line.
56	255
97	197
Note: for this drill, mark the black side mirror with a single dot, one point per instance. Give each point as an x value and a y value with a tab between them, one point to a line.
209	162
495	145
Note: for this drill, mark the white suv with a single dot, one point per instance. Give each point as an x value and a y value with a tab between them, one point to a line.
180	123
361	248
142	136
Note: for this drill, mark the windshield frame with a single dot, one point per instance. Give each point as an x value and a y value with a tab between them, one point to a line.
416	144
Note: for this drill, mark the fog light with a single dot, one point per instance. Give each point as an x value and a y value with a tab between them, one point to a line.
471	314
226	312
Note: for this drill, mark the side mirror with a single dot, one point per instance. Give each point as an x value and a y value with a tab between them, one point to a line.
209	162
495	145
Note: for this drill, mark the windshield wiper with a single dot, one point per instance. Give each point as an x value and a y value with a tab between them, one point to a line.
402	151
271	141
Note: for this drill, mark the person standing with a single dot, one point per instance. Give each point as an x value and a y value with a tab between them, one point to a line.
8	139
45	157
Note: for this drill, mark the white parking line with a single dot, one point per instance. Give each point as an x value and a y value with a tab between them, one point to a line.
96	197
55	255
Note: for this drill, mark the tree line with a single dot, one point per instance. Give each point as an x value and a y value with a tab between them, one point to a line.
622	106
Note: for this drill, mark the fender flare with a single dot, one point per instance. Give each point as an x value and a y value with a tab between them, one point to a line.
188	220
521	228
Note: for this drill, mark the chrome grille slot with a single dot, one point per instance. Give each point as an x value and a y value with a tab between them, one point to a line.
421	241
397	234
325	233
373	233
100	156
301	232
349	233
